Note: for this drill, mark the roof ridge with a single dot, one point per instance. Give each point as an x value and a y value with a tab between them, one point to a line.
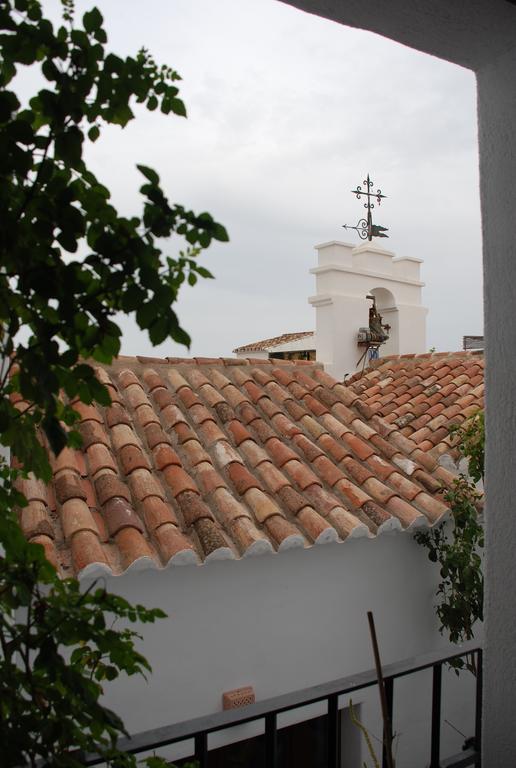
225	361
427	355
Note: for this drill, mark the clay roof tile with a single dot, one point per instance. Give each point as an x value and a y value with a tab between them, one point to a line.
211	538
208	478
283	532
193	508
165	456
157	512
127	377
87	551
239	433
131	458
241	478
35	520
135	395
76	516
118	513
92	432
153	379
316	527
210	395
252	453
132	546
163	397
176	379
327	471
148	459
174	546
178	480
284	426
143	483
249	539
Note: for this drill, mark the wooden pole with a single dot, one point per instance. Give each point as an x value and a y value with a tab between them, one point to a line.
387	725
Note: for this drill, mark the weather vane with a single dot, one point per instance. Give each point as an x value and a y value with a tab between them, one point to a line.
365	227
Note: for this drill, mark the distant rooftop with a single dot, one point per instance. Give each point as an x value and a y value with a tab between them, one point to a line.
266	344
422	395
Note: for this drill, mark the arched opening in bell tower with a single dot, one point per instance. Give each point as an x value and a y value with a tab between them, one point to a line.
386	306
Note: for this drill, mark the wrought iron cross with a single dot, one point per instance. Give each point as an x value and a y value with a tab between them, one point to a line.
365	227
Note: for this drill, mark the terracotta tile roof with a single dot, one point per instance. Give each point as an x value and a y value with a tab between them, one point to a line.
422	395
206	459
266	344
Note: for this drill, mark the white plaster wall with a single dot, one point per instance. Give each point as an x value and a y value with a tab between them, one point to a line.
337	329
468	33
283	622
257	354
348	281
407	267
307	342
411	329
371	257
386	305
324	318
497	118
335	252
390	317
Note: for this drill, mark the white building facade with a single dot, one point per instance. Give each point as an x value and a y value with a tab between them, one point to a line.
286	621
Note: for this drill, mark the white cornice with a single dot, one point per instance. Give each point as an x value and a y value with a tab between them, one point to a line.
365	273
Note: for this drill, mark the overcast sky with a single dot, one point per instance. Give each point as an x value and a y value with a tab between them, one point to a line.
287	112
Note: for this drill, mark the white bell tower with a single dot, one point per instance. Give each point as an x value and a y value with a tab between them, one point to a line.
344	276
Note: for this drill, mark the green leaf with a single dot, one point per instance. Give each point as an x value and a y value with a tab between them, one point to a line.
8	104
92	20
149	174
99	392
220	233
108	349
180	336
178	108
158	331
94	133
20	130
204	272
68	146
146	314
133	298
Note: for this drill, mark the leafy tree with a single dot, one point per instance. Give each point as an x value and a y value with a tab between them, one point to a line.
458	550
69	262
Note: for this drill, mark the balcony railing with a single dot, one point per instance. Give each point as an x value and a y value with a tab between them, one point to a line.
269	709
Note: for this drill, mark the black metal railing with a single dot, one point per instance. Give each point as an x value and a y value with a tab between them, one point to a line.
269	709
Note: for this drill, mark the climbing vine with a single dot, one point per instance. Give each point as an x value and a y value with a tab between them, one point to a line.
459	551
470	442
